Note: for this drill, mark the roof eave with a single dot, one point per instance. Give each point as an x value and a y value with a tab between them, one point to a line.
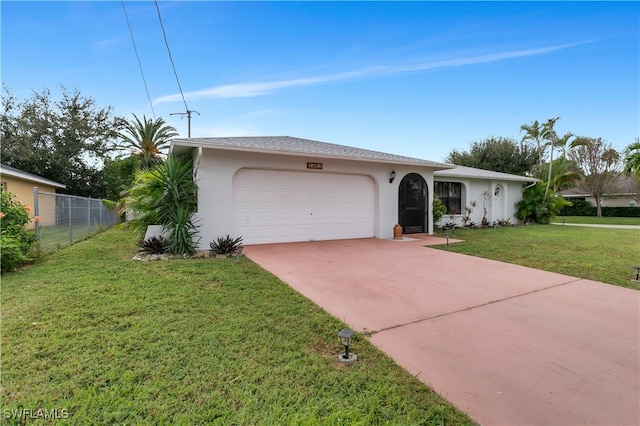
32	178
432	165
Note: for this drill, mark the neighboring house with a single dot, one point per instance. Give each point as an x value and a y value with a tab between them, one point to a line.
22	184
285	189
624	193
493	193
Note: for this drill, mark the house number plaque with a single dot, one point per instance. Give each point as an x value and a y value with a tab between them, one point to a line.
316	166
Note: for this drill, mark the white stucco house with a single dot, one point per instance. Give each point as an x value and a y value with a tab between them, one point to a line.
494	194
285	189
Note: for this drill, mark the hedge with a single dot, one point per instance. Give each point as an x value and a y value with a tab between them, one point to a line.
584	208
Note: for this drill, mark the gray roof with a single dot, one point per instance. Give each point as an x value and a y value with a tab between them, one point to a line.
472	173
297	146
19	174
622	186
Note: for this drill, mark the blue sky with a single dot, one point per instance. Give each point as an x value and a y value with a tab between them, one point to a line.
410	78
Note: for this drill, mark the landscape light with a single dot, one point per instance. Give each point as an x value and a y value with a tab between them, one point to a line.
345	336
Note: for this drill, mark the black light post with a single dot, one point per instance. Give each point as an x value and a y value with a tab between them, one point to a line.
345	336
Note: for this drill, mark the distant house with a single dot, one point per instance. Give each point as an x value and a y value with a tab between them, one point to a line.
282	189
624	193
494	194
22	183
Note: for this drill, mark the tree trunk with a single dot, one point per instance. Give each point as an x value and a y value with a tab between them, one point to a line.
546	191
598	206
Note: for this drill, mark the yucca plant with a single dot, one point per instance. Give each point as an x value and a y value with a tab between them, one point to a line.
183	231
166	195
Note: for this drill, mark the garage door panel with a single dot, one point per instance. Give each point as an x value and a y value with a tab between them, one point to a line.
280	206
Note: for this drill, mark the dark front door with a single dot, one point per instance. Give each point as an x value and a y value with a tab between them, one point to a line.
412	204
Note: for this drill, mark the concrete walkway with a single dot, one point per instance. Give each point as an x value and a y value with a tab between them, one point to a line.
507	344
595	225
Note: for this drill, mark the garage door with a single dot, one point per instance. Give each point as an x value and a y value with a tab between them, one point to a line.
281	206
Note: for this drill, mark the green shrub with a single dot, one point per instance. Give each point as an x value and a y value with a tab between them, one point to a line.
584	208
16	242
578	208
439	210
154	245
535	208
225	245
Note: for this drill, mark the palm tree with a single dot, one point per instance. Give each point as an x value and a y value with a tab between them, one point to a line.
534	133
146	138
632	159
549	134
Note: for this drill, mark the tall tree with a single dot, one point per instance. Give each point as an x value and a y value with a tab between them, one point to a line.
599	166
632	165
497	154
65	140
146	138
632	159
534	132
118	175
551	137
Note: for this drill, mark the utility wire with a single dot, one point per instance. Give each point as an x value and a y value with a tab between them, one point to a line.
135	49
170	57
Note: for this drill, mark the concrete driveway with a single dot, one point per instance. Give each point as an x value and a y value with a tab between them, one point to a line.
507	344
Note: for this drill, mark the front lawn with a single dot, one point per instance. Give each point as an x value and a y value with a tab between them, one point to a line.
102	339
599	254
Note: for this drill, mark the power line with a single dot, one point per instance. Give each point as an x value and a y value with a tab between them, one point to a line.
170	57
135	49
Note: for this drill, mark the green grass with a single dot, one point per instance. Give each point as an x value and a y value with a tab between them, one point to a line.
599	221
56	237
599	254
197	341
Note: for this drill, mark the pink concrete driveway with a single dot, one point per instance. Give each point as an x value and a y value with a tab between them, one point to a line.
509	345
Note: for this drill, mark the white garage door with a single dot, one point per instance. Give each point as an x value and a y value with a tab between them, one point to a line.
280	206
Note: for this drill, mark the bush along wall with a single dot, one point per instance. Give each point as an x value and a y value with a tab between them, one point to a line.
584	208
15	241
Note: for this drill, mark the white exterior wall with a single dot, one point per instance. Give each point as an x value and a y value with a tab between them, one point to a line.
501	206
216	169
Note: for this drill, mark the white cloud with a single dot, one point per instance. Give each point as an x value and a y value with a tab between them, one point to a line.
253	89
106	43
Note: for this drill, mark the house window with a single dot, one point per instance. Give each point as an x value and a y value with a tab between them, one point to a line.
450	193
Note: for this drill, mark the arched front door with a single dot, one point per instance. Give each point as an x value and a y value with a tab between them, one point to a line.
412	204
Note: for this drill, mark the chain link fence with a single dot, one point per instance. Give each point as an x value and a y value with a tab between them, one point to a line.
62	219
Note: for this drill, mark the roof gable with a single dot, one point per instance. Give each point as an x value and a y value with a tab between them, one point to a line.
297	146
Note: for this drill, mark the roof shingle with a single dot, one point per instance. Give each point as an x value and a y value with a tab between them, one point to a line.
298	146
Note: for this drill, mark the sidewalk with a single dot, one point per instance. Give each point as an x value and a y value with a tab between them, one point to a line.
593	225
